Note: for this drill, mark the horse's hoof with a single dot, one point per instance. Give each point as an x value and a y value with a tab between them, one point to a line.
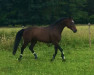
19	59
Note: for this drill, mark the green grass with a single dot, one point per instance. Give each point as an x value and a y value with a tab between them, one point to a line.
79	57
78	62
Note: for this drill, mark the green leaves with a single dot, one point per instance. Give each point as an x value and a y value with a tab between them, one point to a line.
44	11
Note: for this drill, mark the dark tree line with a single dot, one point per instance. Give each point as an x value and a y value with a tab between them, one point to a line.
45	11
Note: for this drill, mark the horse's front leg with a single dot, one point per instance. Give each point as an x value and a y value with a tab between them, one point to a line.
54	55
62	53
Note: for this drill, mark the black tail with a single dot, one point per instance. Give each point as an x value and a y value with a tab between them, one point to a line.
17	40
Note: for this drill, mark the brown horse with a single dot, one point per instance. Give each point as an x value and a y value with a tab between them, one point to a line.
49	34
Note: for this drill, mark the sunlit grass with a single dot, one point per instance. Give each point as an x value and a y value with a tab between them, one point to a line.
79	57
81	38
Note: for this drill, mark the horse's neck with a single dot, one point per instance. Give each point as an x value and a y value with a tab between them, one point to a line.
60	27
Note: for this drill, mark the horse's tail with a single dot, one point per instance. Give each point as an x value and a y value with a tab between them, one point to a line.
17	40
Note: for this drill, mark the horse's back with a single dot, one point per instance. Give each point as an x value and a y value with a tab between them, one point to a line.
37	33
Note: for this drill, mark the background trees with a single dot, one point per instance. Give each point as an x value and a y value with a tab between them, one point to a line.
44	11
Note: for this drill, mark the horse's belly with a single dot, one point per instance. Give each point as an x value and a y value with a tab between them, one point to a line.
41	35
43	39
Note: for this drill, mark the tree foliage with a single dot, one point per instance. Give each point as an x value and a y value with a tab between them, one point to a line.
44	11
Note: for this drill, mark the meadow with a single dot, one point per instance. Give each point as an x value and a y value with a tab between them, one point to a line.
79	57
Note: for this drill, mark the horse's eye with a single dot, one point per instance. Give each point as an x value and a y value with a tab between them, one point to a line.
71	23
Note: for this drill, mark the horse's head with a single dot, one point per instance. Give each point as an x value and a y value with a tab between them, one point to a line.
69	22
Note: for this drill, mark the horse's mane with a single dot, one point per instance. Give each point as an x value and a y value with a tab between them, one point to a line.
58	21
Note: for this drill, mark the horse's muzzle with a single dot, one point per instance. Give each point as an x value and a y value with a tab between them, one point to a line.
74	31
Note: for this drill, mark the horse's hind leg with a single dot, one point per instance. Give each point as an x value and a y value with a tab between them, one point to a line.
54	55
31	48
22	49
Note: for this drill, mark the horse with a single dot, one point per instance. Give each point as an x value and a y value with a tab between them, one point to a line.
48	34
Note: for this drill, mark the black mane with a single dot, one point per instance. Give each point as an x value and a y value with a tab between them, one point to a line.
58	21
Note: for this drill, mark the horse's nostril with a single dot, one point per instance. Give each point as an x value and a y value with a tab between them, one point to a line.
75	31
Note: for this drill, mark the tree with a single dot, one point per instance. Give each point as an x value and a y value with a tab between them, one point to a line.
44	11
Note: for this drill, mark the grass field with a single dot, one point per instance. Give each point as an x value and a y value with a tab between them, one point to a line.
79	57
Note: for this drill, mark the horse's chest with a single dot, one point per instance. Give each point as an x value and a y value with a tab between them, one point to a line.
55	37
